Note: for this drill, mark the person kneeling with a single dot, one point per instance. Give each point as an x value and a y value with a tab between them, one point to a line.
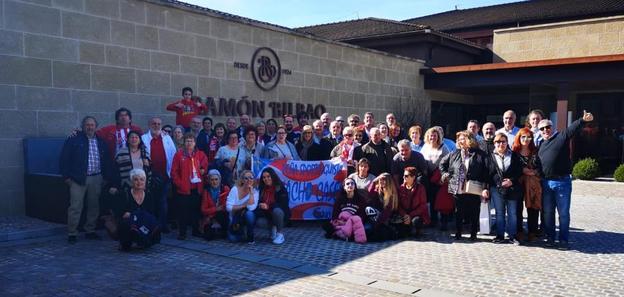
412	205
241	203
273	204
383	219
138	224
348	214
215	217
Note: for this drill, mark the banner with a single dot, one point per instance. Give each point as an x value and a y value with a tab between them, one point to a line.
312	185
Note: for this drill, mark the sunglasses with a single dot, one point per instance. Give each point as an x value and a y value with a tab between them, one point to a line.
544	128
349	184
500	141
526	137
247	177
348	135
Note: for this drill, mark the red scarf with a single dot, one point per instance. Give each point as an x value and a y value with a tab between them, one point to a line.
268	195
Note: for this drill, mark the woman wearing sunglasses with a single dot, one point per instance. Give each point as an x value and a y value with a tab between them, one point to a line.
241	203
505	169
412	205
344	150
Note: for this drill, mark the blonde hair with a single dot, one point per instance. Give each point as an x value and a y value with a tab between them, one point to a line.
472	141
241	180
429	132
390	194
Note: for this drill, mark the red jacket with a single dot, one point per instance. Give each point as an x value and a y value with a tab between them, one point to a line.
109	135
182	170
208	208
414	202
185	114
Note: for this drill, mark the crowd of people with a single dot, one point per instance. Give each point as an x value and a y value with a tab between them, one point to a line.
400	181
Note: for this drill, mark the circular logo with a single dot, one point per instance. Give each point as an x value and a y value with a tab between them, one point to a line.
266	69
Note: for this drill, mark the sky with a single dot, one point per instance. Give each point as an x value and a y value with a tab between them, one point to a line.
299	13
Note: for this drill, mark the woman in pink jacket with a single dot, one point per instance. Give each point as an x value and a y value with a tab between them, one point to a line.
348	214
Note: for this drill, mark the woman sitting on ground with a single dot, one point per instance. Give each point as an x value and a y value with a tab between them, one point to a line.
215	217
362	177
348	214
137	222
383	218
412	204
273	204
240	205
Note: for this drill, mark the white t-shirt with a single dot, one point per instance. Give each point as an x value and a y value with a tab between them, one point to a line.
232	200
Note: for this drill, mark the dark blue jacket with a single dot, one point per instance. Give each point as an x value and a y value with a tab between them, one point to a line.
75	155
202	140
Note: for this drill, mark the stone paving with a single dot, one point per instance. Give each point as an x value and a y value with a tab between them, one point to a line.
435	265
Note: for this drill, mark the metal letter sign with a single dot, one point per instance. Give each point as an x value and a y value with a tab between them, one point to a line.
266	69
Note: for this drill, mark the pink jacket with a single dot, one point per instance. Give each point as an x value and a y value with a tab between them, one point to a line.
348	225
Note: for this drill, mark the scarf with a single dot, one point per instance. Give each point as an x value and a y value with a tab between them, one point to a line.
268	196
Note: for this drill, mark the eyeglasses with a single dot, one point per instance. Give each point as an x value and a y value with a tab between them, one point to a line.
500	141
281	132
526	137
545	127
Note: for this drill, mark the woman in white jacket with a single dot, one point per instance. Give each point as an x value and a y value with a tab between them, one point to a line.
240	205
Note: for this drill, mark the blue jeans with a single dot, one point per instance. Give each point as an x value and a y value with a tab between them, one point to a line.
248	220
505	214
557	195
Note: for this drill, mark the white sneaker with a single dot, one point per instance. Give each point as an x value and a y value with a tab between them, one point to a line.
279	238
273	232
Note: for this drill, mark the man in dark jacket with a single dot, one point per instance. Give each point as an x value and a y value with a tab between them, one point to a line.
84	165
486	144
378	153
406	157
554	153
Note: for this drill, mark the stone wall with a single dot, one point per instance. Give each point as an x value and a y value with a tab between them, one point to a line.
63	59
594	37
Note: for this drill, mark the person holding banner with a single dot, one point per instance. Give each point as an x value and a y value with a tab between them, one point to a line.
307	149
273	204
466	171
187	171
280	148
383	218
241	203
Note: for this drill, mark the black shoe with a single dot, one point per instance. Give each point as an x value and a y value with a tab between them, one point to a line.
513	241
550	243
498	239
93	236
458	236
563	246
473	237
181	236
71	239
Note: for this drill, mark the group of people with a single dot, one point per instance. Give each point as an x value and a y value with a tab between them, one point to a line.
398	182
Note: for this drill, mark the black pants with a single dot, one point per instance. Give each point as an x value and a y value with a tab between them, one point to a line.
467	208
432	192
188	212
127	236
533	216
519	217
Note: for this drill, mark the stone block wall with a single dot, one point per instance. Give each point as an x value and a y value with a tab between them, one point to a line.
63	59
593	37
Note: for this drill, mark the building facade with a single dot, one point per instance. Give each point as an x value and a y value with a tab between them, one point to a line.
62	60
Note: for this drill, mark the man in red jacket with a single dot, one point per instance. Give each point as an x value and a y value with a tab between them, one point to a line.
187	108
115	135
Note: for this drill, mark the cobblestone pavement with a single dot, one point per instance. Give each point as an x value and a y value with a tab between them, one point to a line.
594	266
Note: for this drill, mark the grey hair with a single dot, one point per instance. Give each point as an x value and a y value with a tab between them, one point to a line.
85	119
136	172
404	142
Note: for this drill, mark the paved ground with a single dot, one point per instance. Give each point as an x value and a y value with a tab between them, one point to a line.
310	265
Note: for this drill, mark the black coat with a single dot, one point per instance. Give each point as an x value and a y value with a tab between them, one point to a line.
513	172
75	158
478	169
315	152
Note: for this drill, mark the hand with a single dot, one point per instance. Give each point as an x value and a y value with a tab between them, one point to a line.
263	206
485	195
198	103
506	183
587	116
251	200
126	215
146	163
112	191
406	219
202	171
179	105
